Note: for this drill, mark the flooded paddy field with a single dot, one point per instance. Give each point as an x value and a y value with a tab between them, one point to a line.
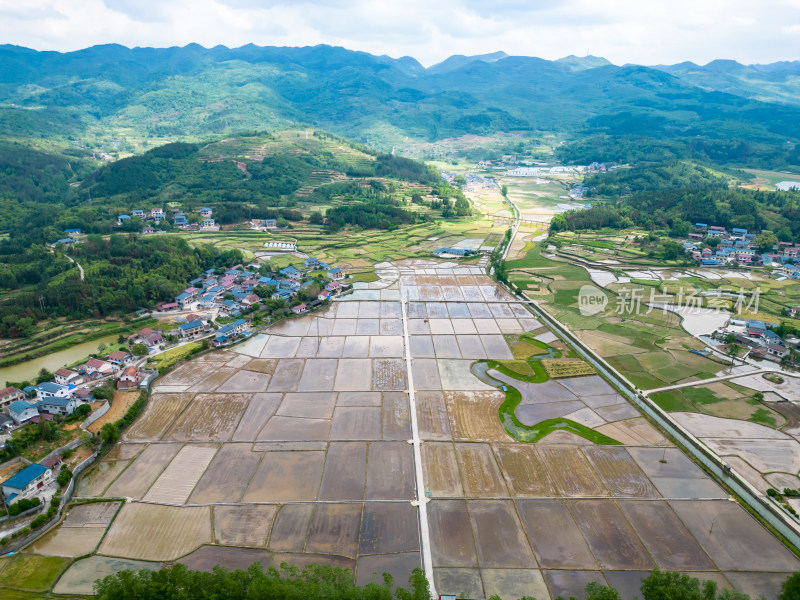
293	446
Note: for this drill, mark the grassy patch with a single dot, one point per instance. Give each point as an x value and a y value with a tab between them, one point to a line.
764	416
32	572
559	368
644	381
700	395
166	360
673	401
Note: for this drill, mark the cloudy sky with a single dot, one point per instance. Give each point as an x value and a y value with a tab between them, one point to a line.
639	31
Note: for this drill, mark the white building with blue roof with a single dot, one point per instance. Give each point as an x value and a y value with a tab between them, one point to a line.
27	483
22	411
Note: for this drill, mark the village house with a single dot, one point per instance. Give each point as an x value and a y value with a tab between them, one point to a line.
67	376
299	309
130	377
27	483
336	274
230	331
119	357
138	213
190	329
147	229
209	224
22	411
206	212
58	406
250	300
96	365
9	395
271	223
48	389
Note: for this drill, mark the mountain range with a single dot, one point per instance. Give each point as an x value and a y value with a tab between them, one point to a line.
149	95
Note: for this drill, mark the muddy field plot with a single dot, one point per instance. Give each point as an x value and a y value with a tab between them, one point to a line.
209	417
524	470
619	472
473	416
317	405
290	528
345	471
481	475
245	381
390	471
432	419
554	535
353	374
335	529
79	578
287	375
442	477
356	423
159	414
258	412
286	477
95	481
426	374
153	532
79	533
295	429
612	540
389	527
665	536
736	542
511	549
228	475
142	472
452	544
247	525
571	472
396	420
388	374
177	481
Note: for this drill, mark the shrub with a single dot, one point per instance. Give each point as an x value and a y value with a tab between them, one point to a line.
4	541
64	476
38	521
24	531
772	493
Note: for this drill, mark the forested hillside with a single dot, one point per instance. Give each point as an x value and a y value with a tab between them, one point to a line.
677	194
134	96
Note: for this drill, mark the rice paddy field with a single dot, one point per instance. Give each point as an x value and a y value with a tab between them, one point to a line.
293	447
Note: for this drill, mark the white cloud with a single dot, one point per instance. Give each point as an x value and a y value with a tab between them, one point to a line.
620	30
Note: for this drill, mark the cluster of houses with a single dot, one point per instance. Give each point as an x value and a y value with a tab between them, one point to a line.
233	292
68	390
736	246
759	338
156	215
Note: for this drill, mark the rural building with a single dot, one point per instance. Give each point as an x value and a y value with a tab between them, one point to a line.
131	377
58	406
271	223
250	300
9	395
68	376
22	411
95	365
118	357
190	329
299	309
206	212
26	483
48	390
450	252
311	263
336	274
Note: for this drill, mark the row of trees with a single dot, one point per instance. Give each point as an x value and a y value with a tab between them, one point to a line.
318	582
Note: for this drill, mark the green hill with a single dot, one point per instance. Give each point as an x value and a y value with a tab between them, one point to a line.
122	100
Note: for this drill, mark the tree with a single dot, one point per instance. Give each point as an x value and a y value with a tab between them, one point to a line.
44	375
504	191
315	218
790	590
64	476
47	430
140	350
109	433
595	591
766	241
101	347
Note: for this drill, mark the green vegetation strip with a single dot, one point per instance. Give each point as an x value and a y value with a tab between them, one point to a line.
526	433
534	433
